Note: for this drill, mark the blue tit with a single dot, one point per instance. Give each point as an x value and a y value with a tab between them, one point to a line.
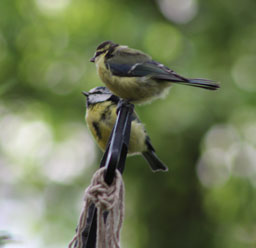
134	76
101	116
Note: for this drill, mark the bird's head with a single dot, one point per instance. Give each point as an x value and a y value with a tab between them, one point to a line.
98	95
105	48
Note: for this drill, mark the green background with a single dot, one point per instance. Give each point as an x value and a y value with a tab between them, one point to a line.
207	139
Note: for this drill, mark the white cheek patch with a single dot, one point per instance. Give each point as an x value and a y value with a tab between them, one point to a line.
99	98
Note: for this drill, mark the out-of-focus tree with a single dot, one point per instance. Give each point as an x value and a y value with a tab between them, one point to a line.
208	139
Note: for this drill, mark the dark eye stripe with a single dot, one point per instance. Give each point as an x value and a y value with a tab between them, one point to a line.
99	53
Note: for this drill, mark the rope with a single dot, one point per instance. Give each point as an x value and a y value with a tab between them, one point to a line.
106	198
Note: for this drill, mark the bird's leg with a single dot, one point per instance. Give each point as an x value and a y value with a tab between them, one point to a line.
122	102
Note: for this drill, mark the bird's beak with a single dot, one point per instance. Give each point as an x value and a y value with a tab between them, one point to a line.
85	93
92	59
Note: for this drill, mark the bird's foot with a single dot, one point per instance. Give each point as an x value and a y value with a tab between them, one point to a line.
123	103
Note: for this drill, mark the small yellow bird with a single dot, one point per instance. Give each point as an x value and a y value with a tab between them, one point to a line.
101	116
134	76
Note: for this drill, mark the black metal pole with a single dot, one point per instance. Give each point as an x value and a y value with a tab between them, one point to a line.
113	158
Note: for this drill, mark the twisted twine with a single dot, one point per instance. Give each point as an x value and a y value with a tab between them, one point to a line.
106	198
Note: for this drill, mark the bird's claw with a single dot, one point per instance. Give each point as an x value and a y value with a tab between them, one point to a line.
123	102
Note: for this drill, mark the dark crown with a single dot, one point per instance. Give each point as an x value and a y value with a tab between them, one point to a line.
100	90
106	44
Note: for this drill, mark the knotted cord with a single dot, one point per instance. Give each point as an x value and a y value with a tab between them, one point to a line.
108	198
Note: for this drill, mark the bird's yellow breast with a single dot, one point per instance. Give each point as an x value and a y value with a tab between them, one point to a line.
101	119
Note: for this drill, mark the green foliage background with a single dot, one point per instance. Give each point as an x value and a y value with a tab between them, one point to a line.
207	139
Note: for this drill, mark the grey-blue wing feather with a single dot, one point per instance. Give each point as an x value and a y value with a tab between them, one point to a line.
128	62
141	69
124	60
119	69
156	71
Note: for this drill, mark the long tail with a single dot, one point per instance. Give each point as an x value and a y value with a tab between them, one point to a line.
154	161
196	82
201	83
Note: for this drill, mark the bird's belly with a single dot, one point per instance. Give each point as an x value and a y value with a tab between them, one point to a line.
101	131
134	89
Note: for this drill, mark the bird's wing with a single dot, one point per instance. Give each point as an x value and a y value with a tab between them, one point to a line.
128	62
133	63
156	71
150	155
160	72
124	59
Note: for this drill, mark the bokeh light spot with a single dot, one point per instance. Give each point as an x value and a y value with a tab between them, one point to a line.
222	137
163	41
243	160
71	156
249	132
180	11
52	6
22	139
212	168
61	77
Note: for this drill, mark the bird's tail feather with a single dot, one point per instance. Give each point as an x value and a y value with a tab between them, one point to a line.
154	161
201	83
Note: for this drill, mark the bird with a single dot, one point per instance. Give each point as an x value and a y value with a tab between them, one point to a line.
101	109
135	77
